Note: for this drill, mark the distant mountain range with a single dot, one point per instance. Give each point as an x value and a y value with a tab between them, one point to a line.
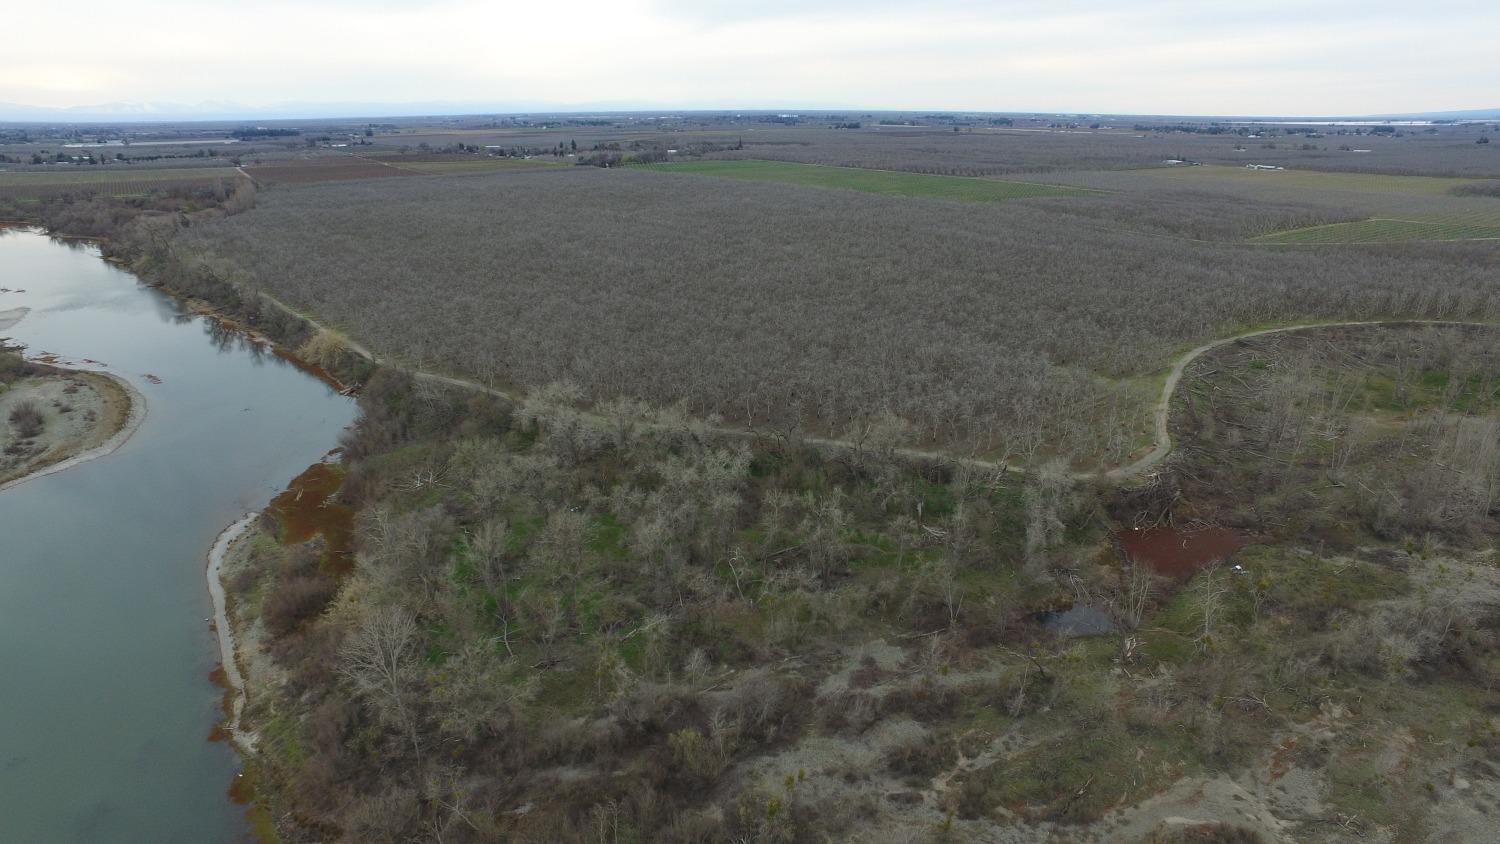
122	112
126	112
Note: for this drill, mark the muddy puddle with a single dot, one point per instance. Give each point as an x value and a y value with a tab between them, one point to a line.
1179	552
1078	620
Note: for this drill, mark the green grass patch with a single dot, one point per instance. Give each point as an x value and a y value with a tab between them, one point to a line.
873	551
607	538
1081	775
872	181
406	462
1434	390
1163	646
1179	615
567	690
937	499
285	738
1315	587
1358	787
522	531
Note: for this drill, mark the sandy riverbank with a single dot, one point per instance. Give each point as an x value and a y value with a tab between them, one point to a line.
226	543
86	415
239	633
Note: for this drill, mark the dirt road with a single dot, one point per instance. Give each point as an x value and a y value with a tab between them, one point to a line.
1162	437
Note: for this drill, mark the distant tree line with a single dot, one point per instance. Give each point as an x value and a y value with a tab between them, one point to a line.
250	133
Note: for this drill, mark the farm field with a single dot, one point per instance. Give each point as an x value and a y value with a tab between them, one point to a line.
341	168
33	184
324	169
1287	206
1311	180
473	164
1483	226
872	181
1041	315
1027	153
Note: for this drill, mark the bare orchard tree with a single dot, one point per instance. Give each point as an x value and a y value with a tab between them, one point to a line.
879	437
402	552
471	697
1024	351
488	544
1129	603
564	545
570	435
1208	595
379	660
1044	503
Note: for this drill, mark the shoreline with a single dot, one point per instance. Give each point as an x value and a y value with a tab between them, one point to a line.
127	410
135	415
243	740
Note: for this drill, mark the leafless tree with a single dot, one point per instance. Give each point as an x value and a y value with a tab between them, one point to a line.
379	661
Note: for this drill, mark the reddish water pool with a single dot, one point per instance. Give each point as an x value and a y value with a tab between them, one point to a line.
1179	552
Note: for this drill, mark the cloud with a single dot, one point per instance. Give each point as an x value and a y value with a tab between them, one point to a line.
1156	56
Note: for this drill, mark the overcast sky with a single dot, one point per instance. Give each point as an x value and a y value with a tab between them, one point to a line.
1156	56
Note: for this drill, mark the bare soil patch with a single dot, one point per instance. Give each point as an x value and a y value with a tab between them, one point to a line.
313	170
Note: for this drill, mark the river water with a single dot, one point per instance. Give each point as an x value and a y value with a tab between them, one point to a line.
105	649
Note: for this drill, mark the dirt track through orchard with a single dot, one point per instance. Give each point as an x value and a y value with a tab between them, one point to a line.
1162	437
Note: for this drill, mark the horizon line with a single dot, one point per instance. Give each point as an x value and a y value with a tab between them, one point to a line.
181	113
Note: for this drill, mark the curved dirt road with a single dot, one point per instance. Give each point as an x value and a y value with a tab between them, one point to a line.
1161	447
1161	413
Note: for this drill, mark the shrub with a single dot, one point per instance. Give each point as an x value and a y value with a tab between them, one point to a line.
12	366
921	758
28	419
295	600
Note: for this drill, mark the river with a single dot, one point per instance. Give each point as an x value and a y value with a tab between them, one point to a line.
105	648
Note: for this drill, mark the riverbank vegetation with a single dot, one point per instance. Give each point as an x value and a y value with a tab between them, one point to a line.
556	628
